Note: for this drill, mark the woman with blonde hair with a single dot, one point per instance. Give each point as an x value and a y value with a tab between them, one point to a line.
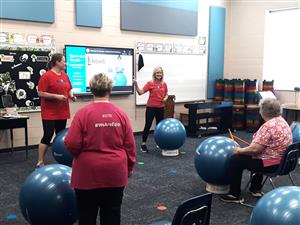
101	140
158	94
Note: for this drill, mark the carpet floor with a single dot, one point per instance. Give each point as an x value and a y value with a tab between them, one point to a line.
157	180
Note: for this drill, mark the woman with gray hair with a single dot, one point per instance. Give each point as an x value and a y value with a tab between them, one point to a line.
101	140
263	154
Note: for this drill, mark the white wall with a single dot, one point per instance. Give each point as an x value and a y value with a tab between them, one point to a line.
65	32
245	39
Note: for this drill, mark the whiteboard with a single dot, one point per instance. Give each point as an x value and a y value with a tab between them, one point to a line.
184	74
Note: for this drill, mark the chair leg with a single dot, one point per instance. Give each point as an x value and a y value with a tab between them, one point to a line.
245	189
271	181
247	205
263	183
290	176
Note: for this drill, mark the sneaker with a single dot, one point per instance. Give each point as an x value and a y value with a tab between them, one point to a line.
256	194
39	165
144	148
231	198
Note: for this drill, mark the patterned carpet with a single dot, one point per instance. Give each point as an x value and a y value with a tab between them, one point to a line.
157	180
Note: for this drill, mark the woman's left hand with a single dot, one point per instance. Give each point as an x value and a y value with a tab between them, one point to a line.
236	150
74	98
130	174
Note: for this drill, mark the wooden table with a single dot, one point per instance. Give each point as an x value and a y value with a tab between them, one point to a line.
12	123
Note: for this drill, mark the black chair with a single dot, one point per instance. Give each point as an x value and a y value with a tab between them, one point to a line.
195	211
287	164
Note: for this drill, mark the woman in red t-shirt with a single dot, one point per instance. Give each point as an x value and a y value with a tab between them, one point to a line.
101	140
54	90
158	94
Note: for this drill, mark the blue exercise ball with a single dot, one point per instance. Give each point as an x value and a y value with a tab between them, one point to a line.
59	151
280	206
47	198
296	132
169	134
212	160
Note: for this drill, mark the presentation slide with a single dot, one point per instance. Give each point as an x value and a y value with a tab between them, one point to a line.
84	62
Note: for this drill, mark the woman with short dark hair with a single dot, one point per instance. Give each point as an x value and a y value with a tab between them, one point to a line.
54	90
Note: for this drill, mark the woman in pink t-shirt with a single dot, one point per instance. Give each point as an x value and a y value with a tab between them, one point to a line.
263	154
158	94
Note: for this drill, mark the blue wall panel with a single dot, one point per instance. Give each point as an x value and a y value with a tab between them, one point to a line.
216	47
31	10
161	16
187	5
89	13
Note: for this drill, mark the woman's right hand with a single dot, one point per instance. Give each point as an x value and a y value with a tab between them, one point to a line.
134	82
61	97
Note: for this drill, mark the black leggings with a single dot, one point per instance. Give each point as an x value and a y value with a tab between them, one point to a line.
108	200
49	126
151	112
241	162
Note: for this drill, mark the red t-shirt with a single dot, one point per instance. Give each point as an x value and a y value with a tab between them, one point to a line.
102	142
157	92
276	136
53	109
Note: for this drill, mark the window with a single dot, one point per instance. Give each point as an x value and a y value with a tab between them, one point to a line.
281	61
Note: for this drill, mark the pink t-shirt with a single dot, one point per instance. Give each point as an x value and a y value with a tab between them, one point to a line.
276	136
158	90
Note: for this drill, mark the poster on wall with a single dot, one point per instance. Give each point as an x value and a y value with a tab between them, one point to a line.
4	37
20	71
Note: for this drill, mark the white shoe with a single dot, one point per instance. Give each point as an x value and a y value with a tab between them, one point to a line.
170	152
256	194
